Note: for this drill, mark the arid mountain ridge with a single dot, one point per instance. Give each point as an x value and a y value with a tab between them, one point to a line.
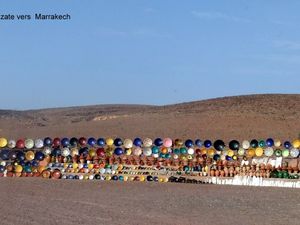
238	117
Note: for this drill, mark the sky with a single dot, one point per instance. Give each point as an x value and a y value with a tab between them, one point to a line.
147	52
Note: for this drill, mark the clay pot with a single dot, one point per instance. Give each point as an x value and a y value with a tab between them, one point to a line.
284	166
36	174
226	171
60	159
17	174
217	173
29	174
222	173
212	173
9	174
9	168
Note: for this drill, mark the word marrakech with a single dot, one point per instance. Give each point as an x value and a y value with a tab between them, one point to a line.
52	17
37	16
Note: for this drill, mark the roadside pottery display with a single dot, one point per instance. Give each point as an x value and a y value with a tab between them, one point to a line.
146	159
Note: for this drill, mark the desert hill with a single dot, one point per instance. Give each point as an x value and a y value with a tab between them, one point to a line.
240	117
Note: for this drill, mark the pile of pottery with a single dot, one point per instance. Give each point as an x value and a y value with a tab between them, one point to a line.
145	159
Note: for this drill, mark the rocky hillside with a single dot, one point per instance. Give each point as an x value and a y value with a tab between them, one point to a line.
241	117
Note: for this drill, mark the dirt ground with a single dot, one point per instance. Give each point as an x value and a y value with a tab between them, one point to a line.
39	201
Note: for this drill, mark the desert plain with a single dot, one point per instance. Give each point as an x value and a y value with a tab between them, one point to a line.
40	201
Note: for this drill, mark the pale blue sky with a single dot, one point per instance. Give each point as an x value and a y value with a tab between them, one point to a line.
147	52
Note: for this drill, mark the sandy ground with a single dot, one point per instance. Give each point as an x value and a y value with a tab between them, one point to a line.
39	201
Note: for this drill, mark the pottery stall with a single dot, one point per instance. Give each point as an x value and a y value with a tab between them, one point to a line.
253	163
